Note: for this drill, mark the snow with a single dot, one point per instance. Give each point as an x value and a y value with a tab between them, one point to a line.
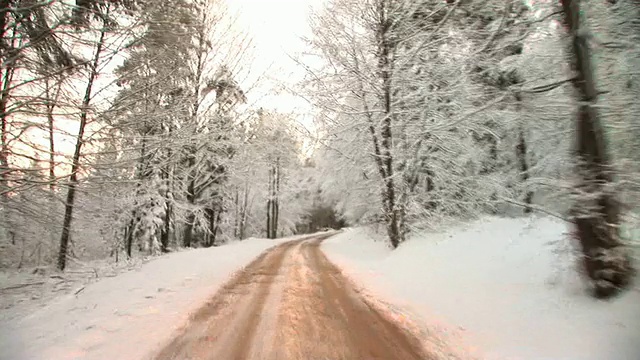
508	287
129	315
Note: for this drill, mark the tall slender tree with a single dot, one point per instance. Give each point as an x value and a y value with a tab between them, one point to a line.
596	212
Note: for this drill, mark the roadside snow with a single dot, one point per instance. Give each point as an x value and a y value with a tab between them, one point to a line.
129	315
507	286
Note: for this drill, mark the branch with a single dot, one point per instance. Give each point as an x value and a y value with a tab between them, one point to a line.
547	87
507	9
536	208
21	285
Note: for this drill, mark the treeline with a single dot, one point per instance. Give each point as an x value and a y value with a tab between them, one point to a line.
126	130
468	107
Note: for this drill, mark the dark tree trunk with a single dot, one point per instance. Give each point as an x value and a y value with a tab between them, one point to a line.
187	240
272	201
129	237
385	68
276	200
216	227
50	105
188	230
75	164
243	213
211	219
143	171
597	215
236	218
191	172
521	155
7	69
269	203
166	229
5	86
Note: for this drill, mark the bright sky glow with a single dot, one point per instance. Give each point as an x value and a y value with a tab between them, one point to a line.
276	27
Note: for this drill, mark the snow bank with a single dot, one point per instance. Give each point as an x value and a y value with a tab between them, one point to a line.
507	286
126	316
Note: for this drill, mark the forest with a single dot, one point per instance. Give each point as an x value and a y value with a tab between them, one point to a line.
131	128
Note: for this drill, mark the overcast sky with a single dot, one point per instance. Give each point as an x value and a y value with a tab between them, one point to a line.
276	27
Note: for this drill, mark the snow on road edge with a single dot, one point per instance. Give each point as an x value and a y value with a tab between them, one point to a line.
130	315
506	286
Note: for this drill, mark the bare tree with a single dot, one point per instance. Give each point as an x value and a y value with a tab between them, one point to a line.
596	212
75	161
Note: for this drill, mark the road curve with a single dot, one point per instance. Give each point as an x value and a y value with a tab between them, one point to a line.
291	303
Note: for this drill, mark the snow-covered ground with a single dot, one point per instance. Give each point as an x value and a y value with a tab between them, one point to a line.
129	315
506	287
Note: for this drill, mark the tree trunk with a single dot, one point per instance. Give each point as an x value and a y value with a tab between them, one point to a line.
75	164
166	229
129	236
276	202
50	105
521	155
167	175
269	201
596	215
236	218
385	66
191	171
142	172
243	213
187	240
216	227
8	70
188	230
211	219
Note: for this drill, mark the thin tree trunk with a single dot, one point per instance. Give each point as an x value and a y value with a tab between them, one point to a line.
191	172
210	214
168	174
75	165
142	173
236	218
168	213
51	104
129	236
216	227
7	76
243	214
269	200
596	215
8	69
276	205
385	65
521	155
191	217
166	229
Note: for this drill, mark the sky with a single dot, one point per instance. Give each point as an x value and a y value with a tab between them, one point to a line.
276	27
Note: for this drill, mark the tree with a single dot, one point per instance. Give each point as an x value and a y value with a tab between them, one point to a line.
415	99
104	21
596	212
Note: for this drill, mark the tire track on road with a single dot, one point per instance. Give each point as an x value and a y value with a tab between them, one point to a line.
292	303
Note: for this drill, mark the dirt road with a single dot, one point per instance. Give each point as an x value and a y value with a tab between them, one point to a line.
291	303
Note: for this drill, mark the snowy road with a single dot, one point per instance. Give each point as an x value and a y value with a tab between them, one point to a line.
291	303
